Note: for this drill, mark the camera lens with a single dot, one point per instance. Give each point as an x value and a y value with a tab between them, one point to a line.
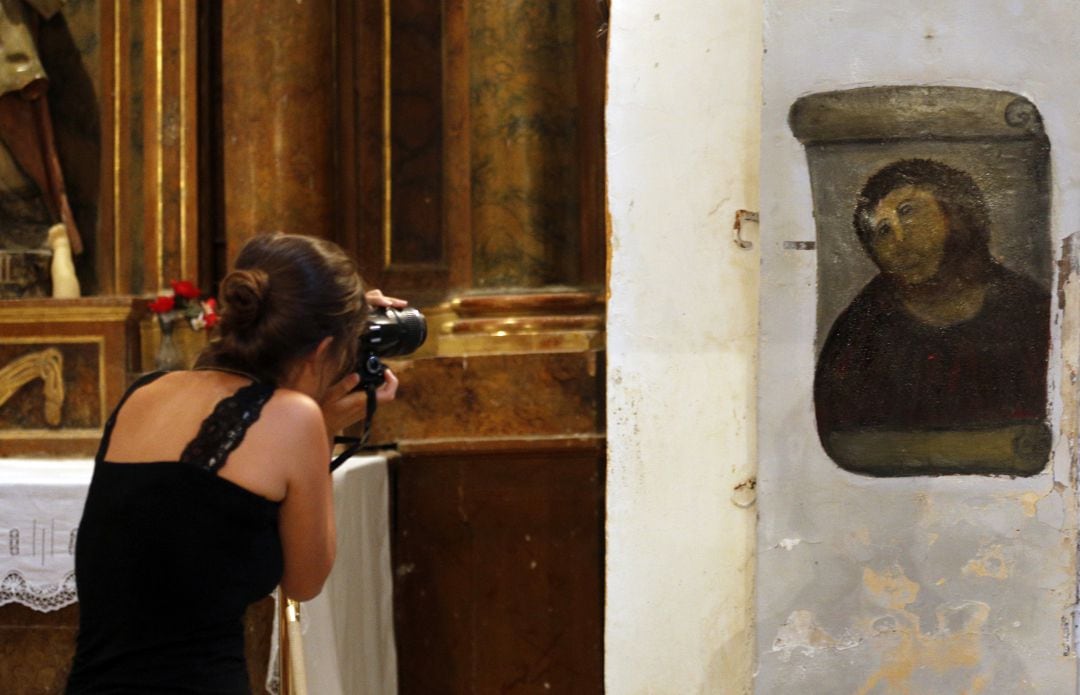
391	332
413	331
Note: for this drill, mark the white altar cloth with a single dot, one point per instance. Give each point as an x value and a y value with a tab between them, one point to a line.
348	629
41	502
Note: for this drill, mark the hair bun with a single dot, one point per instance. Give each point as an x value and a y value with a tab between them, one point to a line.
244	295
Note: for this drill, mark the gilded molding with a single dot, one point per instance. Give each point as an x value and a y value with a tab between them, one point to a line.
159	142
97	340
388	149
75	314
117	101
47	365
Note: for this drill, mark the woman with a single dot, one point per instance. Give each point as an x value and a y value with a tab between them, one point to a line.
211	486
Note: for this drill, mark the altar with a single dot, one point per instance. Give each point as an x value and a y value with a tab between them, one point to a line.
348	629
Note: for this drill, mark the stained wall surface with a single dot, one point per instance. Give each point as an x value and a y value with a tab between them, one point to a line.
682	134
959	583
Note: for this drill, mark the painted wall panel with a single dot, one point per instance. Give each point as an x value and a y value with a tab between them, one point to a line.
952	583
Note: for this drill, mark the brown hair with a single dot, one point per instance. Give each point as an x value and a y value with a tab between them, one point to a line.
287	292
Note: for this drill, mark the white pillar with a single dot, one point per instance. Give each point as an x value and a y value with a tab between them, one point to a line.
682	138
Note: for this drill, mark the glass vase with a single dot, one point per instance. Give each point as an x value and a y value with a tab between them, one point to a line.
168	357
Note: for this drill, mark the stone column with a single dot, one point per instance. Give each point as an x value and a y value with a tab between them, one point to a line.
278	118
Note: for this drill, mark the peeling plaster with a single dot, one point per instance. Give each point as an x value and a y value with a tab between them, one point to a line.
955	645
1029	501
991	562
801	633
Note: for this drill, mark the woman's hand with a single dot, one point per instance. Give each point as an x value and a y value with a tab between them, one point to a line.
343	407
377	298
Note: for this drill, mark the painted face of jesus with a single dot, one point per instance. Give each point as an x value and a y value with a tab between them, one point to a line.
908	233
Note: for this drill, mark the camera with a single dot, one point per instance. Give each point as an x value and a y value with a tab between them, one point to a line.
387	332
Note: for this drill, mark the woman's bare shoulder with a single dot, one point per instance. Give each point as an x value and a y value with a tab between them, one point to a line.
287	441
290	418
289	404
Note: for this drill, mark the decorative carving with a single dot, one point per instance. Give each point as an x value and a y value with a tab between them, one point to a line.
47	365
1021	113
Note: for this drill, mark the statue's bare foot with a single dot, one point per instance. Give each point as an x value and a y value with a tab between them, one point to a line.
64	281
57	236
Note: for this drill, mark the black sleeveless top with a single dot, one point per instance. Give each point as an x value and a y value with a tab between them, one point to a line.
167	559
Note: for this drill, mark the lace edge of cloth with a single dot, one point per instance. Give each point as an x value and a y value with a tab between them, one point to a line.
44	598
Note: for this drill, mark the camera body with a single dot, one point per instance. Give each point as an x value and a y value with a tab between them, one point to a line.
387	332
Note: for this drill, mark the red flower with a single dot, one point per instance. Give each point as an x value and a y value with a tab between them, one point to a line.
185	289
211	320
162	305
210	305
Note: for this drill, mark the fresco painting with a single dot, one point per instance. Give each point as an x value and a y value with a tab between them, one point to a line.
932	207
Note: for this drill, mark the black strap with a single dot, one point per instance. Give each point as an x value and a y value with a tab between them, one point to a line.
355	444
224	429
106	433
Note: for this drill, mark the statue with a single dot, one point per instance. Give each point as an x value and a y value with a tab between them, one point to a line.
38	236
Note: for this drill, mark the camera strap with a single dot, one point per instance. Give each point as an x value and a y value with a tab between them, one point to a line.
355	444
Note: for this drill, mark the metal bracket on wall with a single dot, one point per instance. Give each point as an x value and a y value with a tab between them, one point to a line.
740	217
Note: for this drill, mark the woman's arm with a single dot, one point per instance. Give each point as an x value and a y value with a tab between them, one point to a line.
306	517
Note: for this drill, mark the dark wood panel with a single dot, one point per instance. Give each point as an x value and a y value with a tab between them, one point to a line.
458	128
36	648
396	227
498	565
416	221
592	91
481	140
279	103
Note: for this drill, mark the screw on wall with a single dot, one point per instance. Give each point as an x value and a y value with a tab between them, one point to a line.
740	217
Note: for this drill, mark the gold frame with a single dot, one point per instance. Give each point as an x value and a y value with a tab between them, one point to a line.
63	432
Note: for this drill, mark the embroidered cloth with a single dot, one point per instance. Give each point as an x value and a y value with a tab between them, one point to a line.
41	502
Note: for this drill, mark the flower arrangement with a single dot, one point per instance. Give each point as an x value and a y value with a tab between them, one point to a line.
185	302
188	303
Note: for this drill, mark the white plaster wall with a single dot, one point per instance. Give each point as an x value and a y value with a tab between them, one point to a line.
952	584
682	137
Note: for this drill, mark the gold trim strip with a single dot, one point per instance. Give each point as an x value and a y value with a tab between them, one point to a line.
25	339
52	434
183	143
118	51
73	315
103	403
159	212
387	145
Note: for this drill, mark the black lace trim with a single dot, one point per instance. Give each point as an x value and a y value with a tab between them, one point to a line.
225	428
